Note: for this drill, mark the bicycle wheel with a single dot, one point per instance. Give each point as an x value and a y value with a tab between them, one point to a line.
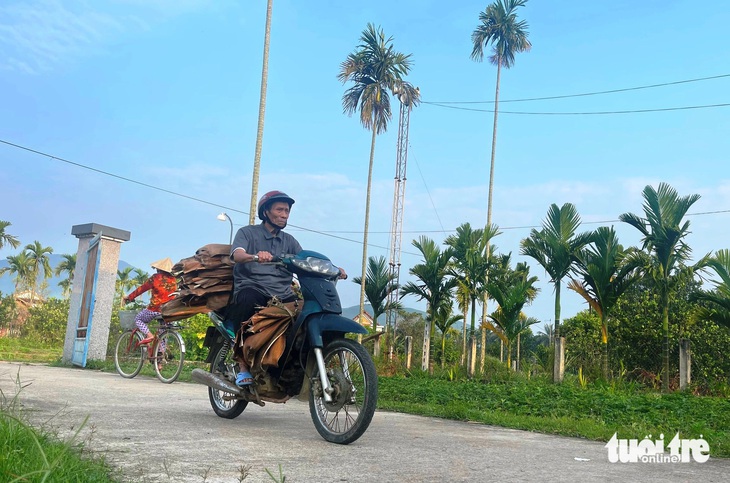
170	356
128	358
225	404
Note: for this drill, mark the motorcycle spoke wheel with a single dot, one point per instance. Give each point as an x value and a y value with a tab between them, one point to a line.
128	358
225	404
351	373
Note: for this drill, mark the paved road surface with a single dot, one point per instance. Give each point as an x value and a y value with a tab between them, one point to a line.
158	433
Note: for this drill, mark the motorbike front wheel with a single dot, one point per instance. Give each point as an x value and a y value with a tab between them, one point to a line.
225	404
351	373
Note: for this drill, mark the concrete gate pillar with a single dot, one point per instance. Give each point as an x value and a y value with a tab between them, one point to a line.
92	294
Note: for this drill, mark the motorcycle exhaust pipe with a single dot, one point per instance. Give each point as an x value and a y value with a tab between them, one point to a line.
211	380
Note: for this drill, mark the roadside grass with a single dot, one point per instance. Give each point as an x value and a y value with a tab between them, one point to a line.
594	412
39	455
21	350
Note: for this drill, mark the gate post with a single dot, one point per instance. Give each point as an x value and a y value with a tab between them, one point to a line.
93	290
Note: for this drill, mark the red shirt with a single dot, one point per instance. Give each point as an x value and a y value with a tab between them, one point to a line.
162	285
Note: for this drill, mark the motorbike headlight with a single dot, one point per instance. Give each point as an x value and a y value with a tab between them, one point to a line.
316	265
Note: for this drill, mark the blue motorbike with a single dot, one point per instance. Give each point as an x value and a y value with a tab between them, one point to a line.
319	363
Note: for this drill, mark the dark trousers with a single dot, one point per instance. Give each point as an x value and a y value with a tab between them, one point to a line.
245	303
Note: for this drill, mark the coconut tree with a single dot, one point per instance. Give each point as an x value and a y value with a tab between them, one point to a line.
7	238
262	112
20	266
433	285
717	309
664	231
38	256
140	277
499	27
376	69
603	273
66	266
378	286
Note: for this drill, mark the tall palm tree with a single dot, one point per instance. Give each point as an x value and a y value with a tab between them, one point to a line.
7	238
500	28
38	256
718	300
555	246
262	112
463	299
663	233
20	266
433	285
378	285
67	266
376	69
604	273
140	277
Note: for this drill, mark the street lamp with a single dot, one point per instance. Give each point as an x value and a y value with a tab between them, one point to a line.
223	217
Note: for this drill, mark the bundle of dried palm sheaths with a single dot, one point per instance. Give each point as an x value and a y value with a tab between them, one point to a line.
204	283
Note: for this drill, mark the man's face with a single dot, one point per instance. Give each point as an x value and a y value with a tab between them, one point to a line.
278	214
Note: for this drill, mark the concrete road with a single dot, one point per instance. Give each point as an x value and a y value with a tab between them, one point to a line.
158	432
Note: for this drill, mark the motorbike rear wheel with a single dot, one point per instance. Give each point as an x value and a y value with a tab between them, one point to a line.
352	374
223	403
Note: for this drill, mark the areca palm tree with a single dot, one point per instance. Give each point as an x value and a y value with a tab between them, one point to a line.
378	285
67	266
38	256
444	321
511	295
433	285
20	266
499	28
376	70
663	233
7	238
555	246
604	273
718	299
262	112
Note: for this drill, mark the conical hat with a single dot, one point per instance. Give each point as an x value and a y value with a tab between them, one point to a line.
165	264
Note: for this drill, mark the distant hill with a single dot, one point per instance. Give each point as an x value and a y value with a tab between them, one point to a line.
7	281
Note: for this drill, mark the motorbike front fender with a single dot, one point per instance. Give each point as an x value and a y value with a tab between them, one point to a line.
320	323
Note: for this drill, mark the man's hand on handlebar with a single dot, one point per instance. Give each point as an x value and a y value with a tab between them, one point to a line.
263	257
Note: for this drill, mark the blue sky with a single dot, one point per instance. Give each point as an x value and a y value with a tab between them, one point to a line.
166	93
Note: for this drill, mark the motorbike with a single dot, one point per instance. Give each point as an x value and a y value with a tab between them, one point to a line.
319	363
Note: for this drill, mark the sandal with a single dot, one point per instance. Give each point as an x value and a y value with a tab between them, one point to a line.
244	379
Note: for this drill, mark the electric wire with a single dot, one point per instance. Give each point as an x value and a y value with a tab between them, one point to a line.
586	113
612	91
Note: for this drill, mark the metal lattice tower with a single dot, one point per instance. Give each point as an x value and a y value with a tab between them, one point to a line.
396	230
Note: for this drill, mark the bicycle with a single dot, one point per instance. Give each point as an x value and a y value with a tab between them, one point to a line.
166	352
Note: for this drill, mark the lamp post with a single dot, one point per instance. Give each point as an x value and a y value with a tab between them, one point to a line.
223	217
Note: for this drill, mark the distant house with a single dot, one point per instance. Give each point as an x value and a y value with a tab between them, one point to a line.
366	320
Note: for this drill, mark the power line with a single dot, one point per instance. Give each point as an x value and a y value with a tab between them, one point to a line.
612	91
587	113
182	195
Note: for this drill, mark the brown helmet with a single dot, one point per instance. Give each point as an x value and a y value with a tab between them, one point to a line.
269	198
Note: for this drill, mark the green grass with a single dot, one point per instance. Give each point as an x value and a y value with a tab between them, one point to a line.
595	412
20	350
36	455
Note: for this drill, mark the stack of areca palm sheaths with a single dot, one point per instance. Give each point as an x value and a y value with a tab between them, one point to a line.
204	283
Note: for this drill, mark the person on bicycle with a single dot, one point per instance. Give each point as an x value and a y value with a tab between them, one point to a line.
161	286
255	284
